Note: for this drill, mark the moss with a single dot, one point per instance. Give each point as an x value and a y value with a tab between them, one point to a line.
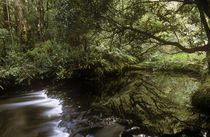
182	62
145	66
189	68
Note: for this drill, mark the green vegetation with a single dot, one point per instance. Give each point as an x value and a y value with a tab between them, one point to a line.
93	40
181	62
52	60
54	38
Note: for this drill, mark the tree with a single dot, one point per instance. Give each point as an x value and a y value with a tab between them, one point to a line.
21	20
172	22
6	24
147	24
76	19
32	20
6	14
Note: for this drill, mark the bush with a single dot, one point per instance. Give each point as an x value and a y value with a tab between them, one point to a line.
59	61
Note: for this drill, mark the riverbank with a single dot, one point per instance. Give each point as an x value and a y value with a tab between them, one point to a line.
180	62
57	62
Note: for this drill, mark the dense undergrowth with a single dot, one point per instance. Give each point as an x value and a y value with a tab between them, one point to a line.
58	62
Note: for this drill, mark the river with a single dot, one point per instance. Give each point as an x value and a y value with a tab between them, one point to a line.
69	111
55	114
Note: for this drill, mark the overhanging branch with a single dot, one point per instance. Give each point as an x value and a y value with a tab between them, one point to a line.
203	20
161	40
165	42
183	1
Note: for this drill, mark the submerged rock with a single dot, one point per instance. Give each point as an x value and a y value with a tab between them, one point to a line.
201	98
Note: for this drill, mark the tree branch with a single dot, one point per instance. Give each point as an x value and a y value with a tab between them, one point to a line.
203	20
162	41
176	44
205	5
183	1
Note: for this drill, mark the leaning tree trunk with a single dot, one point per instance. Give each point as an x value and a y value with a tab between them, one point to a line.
208	60
204	9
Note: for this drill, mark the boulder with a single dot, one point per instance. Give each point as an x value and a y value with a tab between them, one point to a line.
201	98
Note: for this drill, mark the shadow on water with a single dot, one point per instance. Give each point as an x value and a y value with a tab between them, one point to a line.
61	112
129	106
78	116
156	103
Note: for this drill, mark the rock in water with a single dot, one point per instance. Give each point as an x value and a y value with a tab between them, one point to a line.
201	98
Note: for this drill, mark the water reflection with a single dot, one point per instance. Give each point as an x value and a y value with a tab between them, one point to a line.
67	111
58	113
31	115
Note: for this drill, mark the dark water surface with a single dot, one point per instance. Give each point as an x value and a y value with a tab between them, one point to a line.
66	112
53	114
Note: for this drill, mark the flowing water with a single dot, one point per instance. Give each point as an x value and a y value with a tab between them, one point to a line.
66	112
31	115
53	114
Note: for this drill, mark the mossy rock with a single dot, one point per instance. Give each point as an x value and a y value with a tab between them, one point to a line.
201	98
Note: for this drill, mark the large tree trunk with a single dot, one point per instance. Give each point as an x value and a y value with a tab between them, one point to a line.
206	6
6	17
21	21
7	24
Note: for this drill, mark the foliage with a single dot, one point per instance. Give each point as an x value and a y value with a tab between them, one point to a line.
182	62
3	33
50	59
140	27
92	38
100	35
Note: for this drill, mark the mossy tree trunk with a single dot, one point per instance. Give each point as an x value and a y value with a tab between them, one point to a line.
6	17
21	21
